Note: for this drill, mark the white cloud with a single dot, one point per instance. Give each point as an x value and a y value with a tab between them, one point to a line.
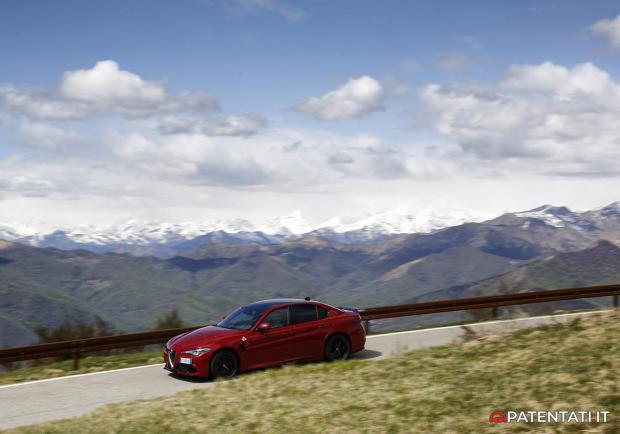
104	89
106	86
356	98
609	29
40	104
241	161
199	101
567	116
172	124
45	136
236	125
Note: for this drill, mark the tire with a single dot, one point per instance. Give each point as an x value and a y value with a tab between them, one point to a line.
224	364
337	348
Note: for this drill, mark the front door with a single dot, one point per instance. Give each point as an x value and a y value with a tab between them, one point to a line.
273	346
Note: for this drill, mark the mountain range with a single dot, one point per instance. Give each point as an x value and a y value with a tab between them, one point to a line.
166	240
211	274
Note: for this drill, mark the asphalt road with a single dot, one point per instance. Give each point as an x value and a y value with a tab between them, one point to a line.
63	397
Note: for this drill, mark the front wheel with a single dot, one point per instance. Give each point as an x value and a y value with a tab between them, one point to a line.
224	364
337	348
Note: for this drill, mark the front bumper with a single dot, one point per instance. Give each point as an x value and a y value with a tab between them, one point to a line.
198	368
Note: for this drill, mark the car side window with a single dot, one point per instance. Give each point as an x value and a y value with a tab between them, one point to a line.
301	313
277	318
323	313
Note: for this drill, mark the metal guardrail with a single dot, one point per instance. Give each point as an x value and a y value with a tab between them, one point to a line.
77	348
491	301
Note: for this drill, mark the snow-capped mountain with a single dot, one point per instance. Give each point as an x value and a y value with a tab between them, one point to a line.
559	216
401	221
291	224
167	239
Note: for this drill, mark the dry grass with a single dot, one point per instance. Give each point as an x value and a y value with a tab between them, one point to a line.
450	389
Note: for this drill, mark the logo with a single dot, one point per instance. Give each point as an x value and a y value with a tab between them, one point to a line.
498	416
549	416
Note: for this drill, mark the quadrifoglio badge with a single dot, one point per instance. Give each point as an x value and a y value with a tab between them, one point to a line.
549	416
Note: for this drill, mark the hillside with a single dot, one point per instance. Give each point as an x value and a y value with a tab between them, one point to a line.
535	249
443	389
49	286
598	265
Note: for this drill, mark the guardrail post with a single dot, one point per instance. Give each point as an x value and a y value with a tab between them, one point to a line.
367	326
494	313
616	300
76	360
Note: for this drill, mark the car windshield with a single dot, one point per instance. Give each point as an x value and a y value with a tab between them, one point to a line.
243	318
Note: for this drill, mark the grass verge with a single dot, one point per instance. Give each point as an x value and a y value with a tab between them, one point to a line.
444	390
93	363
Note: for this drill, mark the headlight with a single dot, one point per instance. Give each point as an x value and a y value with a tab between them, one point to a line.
197	351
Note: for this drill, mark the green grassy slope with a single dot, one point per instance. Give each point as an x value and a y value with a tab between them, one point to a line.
444	390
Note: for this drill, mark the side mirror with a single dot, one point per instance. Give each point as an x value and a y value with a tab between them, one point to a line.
263	327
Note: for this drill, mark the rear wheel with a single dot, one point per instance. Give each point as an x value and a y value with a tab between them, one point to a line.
224	364
337	348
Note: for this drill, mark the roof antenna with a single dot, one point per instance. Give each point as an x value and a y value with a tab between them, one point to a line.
307	298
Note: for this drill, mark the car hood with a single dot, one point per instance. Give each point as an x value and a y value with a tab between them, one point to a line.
201	337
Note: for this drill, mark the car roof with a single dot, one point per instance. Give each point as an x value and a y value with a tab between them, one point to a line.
277	301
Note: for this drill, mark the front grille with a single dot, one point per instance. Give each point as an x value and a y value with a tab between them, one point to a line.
187	369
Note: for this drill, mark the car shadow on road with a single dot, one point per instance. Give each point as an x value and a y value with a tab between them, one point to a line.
189	379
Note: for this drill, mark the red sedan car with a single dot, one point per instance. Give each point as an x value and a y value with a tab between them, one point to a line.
266	333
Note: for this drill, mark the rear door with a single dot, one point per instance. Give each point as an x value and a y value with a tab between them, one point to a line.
308	334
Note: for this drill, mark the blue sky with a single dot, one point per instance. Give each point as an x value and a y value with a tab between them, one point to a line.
261	62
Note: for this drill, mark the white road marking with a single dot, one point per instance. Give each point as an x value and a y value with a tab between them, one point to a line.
64	377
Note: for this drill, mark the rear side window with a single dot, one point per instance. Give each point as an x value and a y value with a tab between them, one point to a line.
322	312
277	318
303	313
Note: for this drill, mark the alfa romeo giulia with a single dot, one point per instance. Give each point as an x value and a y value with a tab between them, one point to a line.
266	333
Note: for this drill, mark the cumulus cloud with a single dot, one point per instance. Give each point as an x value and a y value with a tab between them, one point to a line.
174	125
45	136
354	99
292	147
105	85
608	29
567	115
199	101
40	104
240	161
104	89
340	158
236	125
